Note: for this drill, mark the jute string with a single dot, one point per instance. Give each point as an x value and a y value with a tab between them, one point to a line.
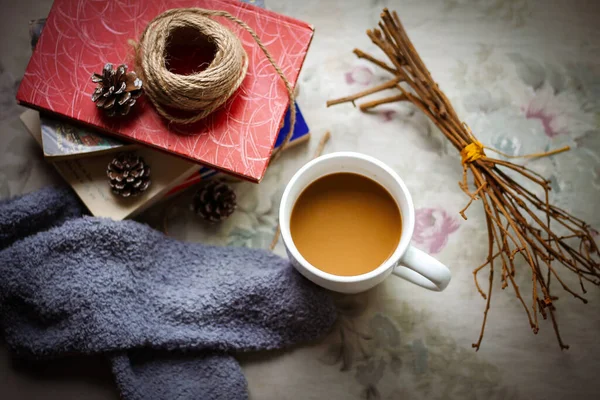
203	92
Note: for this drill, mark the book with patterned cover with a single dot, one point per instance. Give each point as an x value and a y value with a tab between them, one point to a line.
63	140
170	174
300	135
80	36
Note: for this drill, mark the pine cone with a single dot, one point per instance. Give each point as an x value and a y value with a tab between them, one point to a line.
128	174
214	201
117	90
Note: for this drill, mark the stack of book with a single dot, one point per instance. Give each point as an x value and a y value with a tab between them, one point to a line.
238	139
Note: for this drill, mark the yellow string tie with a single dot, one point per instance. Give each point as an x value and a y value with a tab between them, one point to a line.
472	152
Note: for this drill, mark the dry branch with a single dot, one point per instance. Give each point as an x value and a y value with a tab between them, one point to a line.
518	222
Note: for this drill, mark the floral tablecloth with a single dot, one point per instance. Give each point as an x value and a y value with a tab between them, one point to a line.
525	76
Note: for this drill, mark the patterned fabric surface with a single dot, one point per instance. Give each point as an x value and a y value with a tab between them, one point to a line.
525	76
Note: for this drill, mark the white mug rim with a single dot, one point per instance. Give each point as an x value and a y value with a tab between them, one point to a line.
408	219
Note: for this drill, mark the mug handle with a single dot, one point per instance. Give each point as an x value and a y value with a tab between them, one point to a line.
421	269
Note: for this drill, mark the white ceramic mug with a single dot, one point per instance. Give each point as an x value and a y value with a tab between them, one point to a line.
406	262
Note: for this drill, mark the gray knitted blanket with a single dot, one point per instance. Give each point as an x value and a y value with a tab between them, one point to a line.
169	315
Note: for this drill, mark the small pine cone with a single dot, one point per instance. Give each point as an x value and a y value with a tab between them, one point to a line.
117	90
128	175
214	201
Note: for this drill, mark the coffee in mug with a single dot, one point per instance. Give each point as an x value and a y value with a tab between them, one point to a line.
346	224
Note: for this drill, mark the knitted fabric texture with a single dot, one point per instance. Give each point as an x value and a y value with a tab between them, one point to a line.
169	315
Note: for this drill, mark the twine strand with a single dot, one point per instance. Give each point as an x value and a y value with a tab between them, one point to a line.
532	155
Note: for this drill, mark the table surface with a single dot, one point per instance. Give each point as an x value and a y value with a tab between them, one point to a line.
524	74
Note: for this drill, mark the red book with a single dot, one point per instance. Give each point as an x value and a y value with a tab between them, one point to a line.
81	36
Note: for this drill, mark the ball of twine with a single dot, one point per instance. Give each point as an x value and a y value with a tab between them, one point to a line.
202	92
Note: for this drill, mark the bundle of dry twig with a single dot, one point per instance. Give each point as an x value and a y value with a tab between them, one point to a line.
518	221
